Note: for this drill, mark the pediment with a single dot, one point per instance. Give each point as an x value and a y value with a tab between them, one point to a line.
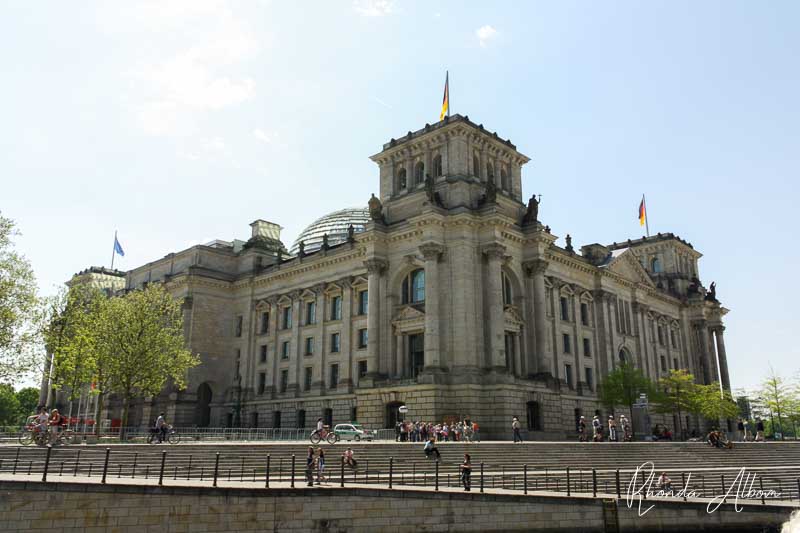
262	305
627	266
409	313
358	281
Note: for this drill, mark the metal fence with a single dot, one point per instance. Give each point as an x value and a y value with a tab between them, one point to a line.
269	470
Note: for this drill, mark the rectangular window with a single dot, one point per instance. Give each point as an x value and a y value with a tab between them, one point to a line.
672	338
568	375
567	346
311	313
675	364
309	374
362	338
284	380
336	308
628	328
587	347
276	419
264	323
334	376
334	343
564	309
661	335
239	320
589	378
585	314
663	364
285	350
363	302
309	345
362	369
263	353
286	318
262	382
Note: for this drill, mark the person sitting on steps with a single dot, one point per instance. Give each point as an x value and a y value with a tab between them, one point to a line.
430	449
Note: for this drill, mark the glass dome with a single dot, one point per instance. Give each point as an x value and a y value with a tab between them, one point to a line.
335	225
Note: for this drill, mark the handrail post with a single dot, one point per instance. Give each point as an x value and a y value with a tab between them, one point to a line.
292	471
161	470
761	485
16	460
46	464
391	468
619	490
266	474
436	481
525	479
105	466
481	476
216	469
568	487
341	475
594	483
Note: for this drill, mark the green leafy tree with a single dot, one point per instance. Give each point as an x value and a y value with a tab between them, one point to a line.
776	395
622	387
141	346
9	406
17	304
28	399
712	404
677	394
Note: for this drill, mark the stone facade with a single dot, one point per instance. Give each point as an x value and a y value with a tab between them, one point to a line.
454	300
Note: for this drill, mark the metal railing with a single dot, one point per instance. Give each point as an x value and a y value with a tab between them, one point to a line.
269	470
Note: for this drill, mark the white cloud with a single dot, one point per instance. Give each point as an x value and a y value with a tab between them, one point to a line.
373	8
190	62
262	136
485	33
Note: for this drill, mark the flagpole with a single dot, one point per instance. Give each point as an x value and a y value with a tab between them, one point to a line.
114	250
646	221
449	102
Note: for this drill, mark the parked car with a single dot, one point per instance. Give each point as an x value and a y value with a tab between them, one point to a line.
354	432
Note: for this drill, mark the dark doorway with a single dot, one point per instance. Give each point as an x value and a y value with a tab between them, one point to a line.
203	408
392	415
276	419
301	418
578	414
327	417
534	416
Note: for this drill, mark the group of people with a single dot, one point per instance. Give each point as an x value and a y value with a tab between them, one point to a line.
315	463
617	431
745	433
49	424
717	439
462	431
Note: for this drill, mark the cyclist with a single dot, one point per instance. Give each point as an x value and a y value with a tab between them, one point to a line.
56	423
321	427
161	427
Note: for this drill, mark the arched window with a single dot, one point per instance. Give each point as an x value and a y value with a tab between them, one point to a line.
419	172
401	179
655	265
507	294
624	358
476	166
504	179
414	287
437	166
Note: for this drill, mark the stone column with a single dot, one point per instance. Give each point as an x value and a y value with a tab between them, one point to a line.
723	358
495	253
603	363
544	362
375	268
319	341
482	171
431	252
345	333
272	382
410	181
427	161
698	329
293	387
399	362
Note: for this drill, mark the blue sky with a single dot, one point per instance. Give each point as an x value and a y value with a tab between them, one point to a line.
180	122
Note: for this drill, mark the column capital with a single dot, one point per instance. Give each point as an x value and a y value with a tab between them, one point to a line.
375	266
494	250
319	288
294	295
601	295
431	251
717	328
535	266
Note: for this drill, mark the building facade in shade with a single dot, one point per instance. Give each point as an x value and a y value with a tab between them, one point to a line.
453	298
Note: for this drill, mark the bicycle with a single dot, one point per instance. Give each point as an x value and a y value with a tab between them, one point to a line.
172	436
329	436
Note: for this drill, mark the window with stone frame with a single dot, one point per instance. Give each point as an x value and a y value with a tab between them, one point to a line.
663	363
285	350
589	377
262	382
276	419
660	335
363	302
508	296
413	287
504	179
566	343
402	181
263	353
264	322
307	378
490	172
335	342
362	338
587	347
564	302
437	166
238	328
419	173
675	363
534	415
311	312
336	308
362	368
584	313
286	317
334	376
672	339
284	380
476	166
309	346
568	375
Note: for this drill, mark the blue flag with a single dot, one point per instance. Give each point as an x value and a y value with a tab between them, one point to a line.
118	247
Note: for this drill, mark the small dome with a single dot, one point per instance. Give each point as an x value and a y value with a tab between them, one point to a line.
335	225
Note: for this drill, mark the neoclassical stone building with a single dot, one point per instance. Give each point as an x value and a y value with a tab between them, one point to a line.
452	299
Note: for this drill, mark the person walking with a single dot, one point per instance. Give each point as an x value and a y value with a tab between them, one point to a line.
582	429
746	424
310	467
597	429
466	472
612	429
320	466
515	427
161	428
740	430
759	430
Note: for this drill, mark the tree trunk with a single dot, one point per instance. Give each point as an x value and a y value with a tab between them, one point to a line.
123	429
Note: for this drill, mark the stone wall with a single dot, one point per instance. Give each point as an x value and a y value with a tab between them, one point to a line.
95	508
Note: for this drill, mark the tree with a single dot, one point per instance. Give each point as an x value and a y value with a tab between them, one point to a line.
17	304
677	394
776	396
141	345
9	406
622	387
28	399
712	404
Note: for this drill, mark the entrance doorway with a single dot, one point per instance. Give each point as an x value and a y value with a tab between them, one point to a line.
392	415
203	408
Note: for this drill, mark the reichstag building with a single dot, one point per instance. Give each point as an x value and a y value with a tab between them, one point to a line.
446	294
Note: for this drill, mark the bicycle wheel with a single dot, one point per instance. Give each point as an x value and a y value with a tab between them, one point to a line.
173	438
26	438
67	437
315	438
333	438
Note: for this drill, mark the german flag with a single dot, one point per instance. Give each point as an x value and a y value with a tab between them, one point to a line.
642	213
446	98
